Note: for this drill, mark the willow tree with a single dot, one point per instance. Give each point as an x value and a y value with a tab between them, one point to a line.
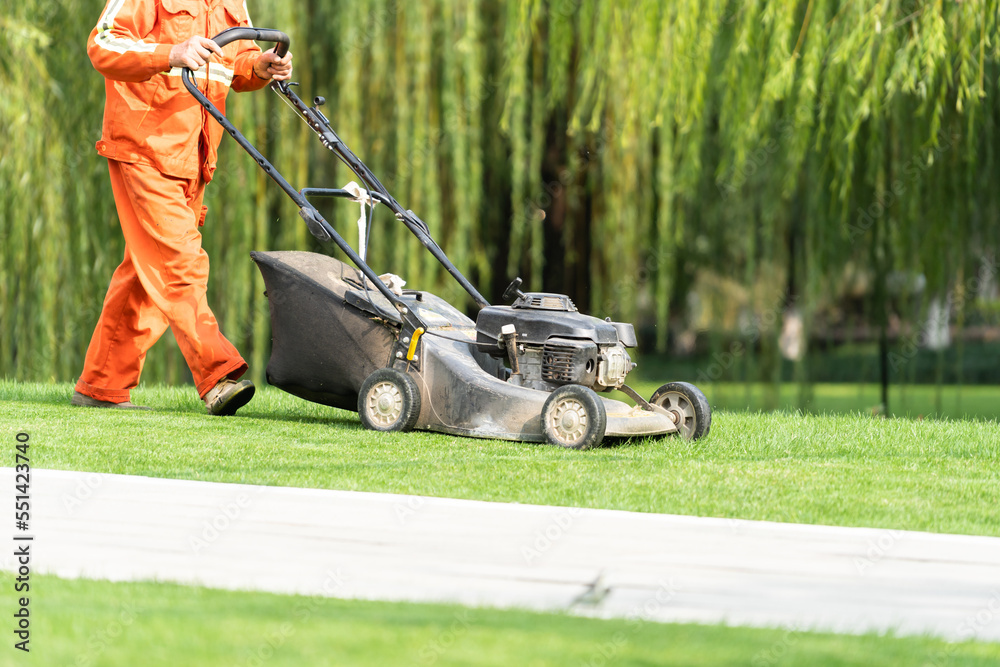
774	145
630	154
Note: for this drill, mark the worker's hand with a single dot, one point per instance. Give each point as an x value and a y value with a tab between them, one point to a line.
194	53
270	66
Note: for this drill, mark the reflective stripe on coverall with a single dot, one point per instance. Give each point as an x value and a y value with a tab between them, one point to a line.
162	148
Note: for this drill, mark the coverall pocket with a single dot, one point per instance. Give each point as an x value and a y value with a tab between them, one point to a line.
237	15
176	18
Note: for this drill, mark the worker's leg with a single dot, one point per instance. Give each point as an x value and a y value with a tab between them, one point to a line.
159	218
129	325
163	237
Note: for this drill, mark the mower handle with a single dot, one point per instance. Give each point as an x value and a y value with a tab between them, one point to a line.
257	34
231	35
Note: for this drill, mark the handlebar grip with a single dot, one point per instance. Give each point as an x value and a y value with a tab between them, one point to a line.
258	34
235	34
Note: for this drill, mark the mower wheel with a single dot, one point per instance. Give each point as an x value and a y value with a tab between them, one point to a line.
389	401
687	406
574	417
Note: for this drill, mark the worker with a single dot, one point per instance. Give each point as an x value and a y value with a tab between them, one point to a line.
161	149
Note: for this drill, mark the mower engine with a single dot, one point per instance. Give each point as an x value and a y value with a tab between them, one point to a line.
549	343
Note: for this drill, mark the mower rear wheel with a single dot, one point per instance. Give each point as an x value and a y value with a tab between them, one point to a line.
687	406
389	401
574	417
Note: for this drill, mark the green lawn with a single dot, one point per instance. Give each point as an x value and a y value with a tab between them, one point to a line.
911	401
938	475
856	470
918	401
83	623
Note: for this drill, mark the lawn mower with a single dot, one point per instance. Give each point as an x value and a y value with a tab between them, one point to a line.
405	359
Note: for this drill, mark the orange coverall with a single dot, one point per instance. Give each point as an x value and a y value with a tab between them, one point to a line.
161	149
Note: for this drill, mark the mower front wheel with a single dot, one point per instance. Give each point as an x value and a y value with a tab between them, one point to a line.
574	417
687	406
389	401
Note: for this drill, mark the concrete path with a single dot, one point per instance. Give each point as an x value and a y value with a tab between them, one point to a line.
594	562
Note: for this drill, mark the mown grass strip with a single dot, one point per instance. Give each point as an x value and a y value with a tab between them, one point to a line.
853	470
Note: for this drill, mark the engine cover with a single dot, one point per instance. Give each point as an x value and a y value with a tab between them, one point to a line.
535	326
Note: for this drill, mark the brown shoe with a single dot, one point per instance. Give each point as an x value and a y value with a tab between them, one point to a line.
85	401
228	396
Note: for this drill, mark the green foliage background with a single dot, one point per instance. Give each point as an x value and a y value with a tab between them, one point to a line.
620	152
